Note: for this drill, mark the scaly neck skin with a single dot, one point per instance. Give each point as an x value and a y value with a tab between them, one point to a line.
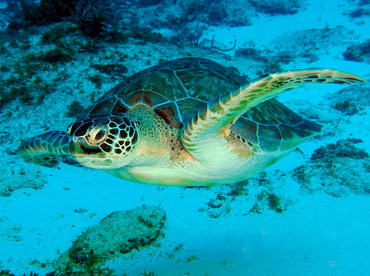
153	146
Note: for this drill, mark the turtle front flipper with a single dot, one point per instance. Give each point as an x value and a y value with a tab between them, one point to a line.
45	149
205	133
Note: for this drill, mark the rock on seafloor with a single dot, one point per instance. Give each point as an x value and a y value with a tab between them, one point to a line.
116	234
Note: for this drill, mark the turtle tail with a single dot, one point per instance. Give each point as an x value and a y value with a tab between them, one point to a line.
45	149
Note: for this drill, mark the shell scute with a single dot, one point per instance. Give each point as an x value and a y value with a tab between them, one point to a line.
103	106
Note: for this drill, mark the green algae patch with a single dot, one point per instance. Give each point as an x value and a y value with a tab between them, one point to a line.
337	169
117	234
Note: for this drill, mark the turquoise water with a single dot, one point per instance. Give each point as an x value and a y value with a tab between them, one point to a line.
305	215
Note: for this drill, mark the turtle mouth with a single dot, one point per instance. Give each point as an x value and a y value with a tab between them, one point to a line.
90	150
89	155
80	147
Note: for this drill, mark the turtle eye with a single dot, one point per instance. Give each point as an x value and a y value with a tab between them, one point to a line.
97	135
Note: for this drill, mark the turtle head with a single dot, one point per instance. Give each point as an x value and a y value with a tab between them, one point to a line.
103	142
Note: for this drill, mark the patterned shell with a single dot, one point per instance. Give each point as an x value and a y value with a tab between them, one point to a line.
178	89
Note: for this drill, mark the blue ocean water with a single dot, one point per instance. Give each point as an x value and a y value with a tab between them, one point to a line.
305	215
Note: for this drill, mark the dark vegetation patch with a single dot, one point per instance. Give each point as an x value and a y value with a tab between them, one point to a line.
38	70
358	52
23	77
359	12
74	109
270	62
362	10
58	33
111	69
257	193
54	56
277	7
270	201
9	273
27	91
342	149
69	28
351	99
94	17
96	79
15	176
363	2
188	20
348	107
149	3
337	169
98	19
250	53
309	45
304	46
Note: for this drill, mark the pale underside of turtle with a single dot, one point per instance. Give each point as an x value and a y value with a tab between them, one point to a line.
188	121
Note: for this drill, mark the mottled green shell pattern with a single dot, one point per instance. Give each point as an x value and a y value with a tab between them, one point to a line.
177	90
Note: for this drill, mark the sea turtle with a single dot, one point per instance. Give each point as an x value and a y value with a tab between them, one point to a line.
188	121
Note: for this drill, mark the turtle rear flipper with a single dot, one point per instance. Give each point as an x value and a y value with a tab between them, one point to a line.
45	149
205	133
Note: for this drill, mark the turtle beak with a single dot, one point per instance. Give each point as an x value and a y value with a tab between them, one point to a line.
88	155
79	147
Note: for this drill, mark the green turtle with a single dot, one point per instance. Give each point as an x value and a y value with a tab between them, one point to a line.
189	121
